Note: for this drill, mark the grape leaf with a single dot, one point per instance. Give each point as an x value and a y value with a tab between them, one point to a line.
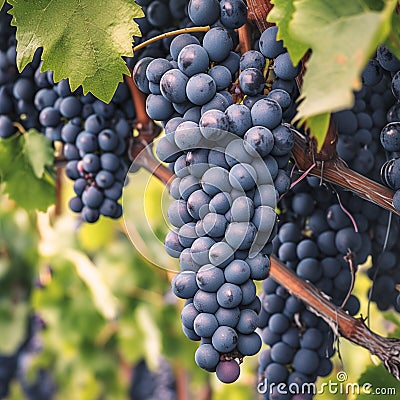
393	40
2	3
13	319
82	40
374	4
281	14
318	126
19	177
376	380
39	152
395	320
341	46
103	299
151	334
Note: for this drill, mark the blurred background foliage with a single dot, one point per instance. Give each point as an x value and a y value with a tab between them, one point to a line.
80	308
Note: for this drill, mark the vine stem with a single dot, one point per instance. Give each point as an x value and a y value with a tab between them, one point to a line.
20	127
60	161
258	12
59	180
170	34
139	100
244	38
148	129
143	157
334	170
182	389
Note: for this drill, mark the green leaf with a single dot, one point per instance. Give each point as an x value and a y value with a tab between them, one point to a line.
393	40
20	180
342	36
82	40
281	14
395	320
2	3
379	383
318	126
377	5
13	319
38	151
151	334
105	301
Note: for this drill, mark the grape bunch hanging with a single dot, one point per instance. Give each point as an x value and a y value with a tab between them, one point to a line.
227	118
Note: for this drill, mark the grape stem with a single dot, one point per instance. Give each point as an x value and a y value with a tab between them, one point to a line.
350	261
170	34
20	128
244	38
147	128
353	329
59	177
182	390
60	161
139	100
258	12
141	153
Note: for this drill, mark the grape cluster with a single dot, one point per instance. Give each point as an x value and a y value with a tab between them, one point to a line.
17	366
96	149
383	230
359	128
367	142
8	370
390	134
16	90
157	385
224	215
209	76
384	272
316	238
95	138
95	135
226	156
385	255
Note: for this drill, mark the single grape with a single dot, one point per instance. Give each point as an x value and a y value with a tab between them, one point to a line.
200	89
224	339
184	284
218	44
270	47
203	12
207	357
193	59
233	13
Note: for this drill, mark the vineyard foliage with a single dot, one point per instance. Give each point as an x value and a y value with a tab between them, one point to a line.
104	306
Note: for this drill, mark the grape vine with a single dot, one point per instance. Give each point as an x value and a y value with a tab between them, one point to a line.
273	179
